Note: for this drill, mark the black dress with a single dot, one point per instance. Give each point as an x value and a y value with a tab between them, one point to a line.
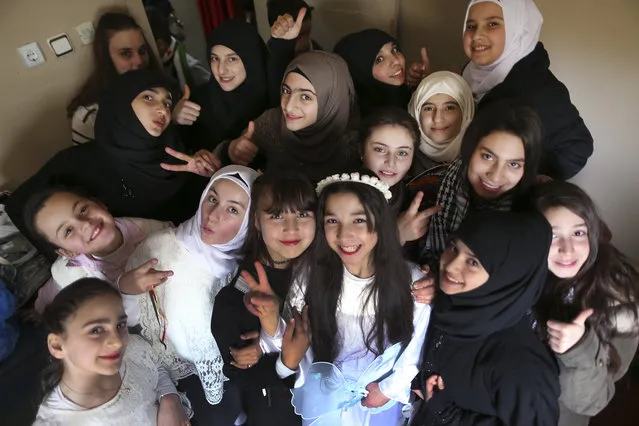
567	141
264	397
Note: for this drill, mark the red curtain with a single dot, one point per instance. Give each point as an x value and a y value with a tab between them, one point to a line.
214	12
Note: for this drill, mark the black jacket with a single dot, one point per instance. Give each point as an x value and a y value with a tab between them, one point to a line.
567	142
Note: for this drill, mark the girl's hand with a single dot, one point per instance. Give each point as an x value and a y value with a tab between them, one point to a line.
247	356
433	384
262	300
142	279
423	290
375	397
185	112
417	70
171	412
296	340
413	224
286	28
562	336
203	163
242	150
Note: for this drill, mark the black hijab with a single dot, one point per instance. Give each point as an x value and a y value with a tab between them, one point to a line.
513	248
225	114
135	153
359	50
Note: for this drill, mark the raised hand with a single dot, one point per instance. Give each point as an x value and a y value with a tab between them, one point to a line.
296	340
418	70
413	224
286	28
262	301
423	290
242	150
247	356
562	336
143	278
186	112
203	163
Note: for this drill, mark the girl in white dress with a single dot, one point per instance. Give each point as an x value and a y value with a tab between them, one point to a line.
358	293
99	375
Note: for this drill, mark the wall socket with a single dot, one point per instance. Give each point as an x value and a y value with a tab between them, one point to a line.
31	54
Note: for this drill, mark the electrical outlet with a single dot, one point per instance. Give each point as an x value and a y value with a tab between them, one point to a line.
85	32
31	54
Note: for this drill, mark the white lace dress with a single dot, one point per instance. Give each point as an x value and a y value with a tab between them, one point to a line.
184	309
143	383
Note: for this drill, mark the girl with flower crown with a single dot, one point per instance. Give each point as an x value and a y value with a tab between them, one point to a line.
367	332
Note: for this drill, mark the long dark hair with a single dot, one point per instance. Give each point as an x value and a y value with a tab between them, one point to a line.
387	116
275	192
608	282
103	69
509	116
389	291
63	307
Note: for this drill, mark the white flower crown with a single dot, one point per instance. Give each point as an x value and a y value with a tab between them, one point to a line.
355	177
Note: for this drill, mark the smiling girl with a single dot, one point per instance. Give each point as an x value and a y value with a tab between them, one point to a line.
588	311
501	39
377	66
498	163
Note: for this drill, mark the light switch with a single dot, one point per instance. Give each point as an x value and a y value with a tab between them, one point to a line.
31	54
60	45
85	32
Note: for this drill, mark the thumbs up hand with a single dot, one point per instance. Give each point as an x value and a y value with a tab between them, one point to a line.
242	150
563	337
418	70
286	28
186	112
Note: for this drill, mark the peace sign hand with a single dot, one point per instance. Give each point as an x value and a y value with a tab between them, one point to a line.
413	224
262	301
203	163
286	28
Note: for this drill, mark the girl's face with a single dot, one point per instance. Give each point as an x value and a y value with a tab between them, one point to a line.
347	233
485	35
227	68
390	65
570	244
95	338
460	270
299	102
286	235
441	118
128	50
389	153
497	165
223	211
153	109
78	225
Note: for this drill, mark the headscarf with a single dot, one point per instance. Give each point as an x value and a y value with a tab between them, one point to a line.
135	153
321	141
225	114
523	22
221	258
453	85
513	249
359	50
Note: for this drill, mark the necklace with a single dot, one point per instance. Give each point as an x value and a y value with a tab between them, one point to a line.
280	262
125	389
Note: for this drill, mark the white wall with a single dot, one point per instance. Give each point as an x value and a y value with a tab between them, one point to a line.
187	12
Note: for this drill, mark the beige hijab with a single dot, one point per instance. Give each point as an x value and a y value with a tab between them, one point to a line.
453	85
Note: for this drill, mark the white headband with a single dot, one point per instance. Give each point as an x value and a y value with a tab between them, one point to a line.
355	177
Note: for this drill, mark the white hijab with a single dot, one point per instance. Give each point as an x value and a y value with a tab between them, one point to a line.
221	258
523	22
453	85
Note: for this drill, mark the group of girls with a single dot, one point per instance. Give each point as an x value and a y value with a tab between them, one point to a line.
294	296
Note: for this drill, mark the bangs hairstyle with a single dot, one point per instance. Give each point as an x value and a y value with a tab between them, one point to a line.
389	292
387	116
508	116
608	282
275	193
64	306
